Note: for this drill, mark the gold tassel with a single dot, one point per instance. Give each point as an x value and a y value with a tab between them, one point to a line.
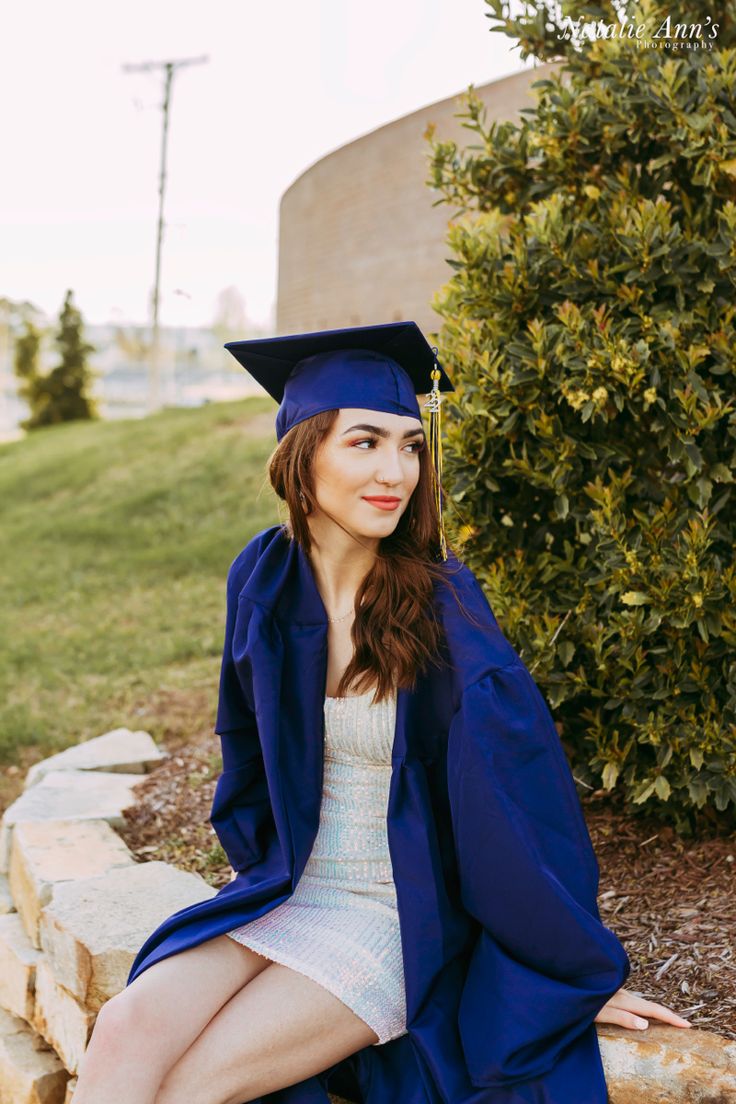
433	405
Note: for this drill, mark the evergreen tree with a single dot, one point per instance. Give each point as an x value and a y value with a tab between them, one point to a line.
62	394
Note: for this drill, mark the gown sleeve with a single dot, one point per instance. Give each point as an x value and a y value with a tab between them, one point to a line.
542	965
240	805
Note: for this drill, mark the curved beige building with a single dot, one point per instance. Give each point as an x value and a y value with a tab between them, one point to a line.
359	240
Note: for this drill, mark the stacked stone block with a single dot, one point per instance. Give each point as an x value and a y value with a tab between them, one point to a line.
75	907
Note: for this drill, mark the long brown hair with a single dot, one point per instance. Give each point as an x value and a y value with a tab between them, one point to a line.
395	633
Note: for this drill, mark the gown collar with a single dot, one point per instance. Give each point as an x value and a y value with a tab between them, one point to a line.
283	582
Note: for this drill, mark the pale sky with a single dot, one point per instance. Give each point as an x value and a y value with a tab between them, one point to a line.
285	83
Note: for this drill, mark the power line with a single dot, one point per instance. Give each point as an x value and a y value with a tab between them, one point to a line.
154	383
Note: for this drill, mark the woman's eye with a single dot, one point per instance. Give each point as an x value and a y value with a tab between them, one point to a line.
413	446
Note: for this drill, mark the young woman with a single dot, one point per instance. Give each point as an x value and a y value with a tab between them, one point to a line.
412	917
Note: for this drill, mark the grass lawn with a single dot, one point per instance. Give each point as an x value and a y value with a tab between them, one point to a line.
115	542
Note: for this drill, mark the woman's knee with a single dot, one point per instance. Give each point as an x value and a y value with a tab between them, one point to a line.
124	1020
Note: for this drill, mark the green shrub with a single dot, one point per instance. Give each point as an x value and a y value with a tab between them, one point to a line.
591	443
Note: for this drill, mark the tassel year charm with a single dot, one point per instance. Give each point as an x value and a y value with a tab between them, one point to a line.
433	405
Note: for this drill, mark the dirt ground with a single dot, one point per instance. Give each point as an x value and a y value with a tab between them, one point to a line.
671	901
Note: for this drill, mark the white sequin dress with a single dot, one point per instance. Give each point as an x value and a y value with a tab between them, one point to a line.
340	926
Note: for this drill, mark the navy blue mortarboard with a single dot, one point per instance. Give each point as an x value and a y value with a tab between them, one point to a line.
371	367
380	367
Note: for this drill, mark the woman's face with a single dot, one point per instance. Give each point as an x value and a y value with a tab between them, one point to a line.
366	470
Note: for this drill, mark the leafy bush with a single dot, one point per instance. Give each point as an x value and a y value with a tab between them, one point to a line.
591	447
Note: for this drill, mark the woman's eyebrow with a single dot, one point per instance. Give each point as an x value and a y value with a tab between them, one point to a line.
381	432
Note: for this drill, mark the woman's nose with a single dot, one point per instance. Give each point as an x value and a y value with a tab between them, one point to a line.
390	470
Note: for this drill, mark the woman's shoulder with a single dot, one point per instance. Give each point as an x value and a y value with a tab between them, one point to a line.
458	578
243	564
476	641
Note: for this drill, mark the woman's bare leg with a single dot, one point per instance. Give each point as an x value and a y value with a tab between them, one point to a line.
279	1029
140	1033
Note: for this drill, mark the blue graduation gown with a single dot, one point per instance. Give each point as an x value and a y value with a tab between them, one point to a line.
506	960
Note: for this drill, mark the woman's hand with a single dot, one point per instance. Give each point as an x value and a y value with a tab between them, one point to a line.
627	1010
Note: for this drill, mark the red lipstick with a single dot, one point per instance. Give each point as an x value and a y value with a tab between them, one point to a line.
383	502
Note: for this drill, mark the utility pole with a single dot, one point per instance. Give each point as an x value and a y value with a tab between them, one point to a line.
154	374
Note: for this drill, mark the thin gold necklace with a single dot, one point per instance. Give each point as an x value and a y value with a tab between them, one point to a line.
344	616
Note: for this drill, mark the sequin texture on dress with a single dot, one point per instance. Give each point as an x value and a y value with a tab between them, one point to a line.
340	927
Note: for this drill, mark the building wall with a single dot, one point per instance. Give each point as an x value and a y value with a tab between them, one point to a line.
359	240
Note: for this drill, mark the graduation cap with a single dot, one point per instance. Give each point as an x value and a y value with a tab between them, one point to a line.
380	367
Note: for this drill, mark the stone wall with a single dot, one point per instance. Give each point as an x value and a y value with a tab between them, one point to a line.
76	906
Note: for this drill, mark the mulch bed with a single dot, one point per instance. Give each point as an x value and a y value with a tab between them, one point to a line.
672	903
670	900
